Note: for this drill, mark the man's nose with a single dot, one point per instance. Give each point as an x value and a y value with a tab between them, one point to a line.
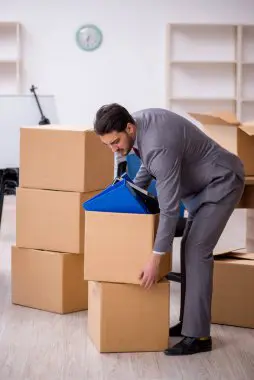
114	149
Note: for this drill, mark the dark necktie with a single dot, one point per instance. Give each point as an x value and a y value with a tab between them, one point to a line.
136	151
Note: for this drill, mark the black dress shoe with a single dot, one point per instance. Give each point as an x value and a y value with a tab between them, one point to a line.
190	346
176	330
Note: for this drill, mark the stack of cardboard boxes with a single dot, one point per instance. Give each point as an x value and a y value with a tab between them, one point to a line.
122	315
233	303
66	259
60	168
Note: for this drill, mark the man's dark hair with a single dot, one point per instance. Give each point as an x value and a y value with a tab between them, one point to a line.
112	117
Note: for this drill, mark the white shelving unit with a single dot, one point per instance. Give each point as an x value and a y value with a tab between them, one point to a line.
247	72
9	58
210	68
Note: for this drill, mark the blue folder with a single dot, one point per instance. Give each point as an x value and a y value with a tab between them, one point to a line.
133	164
118	197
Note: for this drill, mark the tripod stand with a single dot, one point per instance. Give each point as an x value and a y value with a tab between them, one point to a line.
44	120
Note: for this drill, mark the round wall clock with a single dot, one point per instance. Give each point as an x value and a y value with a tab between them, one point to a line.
89	37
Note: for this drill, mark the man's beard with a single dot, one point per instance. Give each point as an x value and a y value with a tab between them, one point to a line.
125	152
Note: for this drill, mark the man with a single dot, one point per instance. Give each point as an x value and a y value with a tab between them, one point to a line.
187	166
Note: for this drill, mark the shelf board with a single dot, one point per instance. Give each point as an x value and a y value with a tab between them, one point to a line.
12	61
210	66
8	23
182	98
196	62
198	24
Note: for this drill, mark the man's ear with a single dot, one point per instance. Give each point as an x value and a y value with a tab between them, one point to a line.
130	128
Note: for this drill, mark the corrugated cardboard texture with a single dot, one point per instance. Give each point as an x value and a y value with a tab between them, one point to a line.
128	318
49	281
117	246
233	302
64	160
50	220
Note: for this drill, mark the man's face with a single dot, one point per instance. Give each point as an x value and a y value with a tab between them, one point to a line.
120	142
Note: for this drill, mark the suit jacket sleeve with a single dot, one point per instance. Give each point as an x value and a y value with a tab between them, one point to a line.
166	167
143	178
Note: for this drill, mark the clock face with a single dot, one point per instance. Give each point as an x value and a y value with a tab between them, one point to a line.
89	37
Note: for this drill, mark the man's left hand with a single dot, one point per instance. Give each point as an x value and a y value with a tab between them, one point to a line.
150	272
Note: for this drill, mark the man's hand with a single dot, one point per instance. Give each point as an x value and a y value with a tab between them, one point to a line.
149	274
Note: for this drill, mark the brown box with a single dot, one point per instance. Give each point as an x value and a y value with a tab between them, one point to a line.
128	318
233	302
250	230
49	281
117	246
232	135
62	158
50	220
247	200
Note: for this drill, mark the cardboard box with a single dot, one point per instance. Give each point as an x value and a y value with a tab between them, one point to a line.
62	158
128	318
117	246
232	135
250	230
233	302
247	200
50	220
49	281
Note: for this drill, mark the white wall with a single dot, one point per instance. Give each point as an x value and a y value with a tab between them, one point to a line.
129	66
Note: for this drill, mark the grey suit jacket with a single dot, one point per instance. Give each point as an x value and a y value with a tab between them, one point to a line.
186	164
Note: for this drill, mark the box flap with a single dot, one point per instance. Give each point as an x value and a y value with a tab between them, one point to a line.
240	254
248	128
243	254
219	118
249	123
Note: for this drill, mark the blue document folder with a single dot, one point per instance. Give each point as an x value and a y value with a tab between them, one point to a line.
118	197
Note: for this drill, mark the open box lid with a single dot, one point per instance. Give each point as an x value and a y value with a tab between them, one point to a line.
223	118
248	128
240	255
217	118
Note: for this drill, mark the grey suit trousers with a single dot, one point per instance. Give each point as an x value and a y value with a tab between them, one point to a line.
202	232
